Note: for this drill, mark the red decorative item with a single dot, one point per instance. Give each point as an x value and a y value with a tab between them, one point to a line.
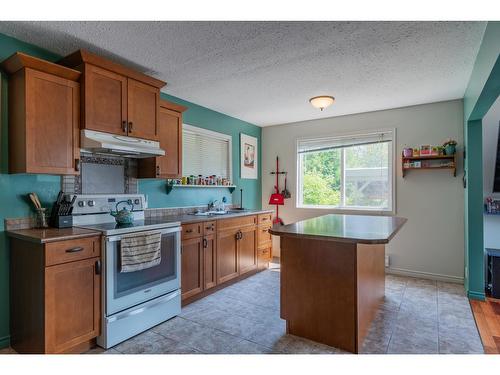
277	198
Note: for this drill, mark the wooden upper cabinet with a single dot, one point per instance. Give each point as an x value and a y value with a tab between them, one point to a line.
105	101
43	116
170	136
117	99
142	109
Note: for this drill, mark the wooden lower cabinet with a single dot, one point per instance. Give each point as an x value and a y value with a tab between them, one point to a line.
198	259
227	255
216	252
209	261
192	267
72	304
236	247
55	295
247	249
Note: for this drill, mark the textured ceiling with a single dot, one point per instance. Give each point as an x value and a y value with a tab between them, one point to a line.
265	72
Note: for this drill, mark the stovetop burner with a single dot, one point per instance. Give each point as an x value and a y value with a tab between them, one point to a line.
137	226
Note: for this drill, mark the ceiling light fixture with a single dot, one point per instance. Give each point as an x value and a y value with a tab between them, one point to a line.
322	101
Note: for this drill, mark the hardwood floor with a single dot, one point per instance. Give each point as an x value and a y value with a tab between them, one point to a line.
487	315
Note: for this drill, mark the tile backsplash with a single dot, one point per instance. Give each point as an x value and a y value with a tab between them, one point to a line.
103	174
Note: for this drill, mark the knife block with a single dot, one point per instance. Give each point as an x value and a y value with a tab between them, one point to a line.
65	221
60	221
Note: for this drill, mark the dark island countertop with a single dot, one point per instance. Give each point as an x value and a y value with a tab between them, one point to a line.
52	234
344	228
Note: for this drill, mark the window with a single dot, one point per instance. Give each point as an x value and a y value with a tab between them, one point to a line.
205	152
350	172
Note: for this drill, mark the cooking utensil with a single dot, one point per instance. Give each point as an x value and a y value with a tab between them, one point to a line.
34	199
37	200
72	205
286	194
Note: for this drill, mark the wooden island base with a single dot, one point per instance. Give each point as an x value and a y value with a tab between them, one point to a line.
330	291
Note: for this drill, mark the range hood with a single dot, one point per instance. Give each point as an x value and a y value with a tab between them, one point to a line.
104	143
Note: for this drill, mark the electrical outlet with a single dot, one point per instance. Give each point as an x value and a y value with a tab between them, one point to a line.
387	261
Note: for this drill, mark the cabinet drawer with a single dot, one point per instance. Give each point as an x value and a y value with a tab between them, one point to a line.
264	218
71	250
237	222
264	238
192	230
209	227
264	254
263	258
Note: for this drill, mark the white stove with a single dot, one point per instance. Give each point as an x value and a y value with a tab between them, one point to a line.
134	301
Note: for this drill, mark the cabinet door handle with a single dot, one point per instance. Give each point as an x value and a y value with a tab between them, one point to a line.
74	249
157	170
124	126
98	267
130	126
205	243
189	231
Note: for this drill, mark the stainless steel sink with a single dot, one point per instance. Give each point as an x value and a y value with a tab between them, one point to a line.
216	213
209	213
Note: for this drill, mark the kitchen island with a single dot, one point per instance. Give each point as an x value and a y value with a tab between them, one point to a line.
333	276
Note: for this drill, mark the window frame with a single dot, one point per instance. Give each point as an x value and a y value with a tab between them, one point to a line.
351	209
213	134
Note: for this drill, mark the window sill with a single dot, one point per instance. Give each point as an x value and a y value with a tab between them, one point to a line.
350	211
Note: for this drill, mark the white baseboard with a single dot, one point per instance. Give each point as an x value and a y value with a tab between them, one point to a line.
424	275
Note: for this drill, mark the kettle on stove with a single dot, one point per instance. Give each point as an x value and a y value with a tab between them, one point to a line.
124	216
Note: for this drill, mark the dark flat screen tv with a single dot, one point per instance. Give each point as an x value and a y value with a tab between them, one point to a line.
496	181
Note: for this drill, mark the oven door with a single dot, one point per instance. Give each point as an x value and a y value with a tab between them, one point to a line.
124	290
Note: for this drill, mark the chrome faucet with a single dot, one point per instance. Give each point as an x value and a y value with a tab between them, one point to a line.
211	205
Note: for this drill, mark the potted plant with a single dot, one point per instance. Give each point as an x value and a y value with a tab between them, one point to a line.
450	146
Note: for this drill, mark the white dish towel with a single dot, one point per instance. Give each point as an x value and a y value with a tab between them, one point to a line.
140	251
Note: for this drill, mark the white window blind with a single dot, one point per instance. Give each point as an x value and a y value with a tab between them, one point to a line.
331	143
205	152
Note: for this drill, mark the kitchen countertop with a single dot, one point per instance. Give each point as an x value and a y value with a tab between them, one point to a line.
344	228
61	234
187	218
51	234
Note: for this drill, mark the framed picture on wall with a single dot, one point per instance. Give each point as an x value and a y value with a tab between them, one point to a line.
248	156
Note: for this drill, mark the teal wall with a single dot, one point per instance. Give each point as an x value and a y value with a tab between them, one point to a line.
205	118
14	187
482	91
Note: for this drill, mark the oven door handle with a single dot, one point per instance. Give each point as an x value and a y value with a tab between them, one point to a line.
162	231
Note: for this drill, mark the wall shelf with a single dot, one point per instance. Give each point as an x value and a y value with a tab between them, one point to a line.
448	158
171	186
